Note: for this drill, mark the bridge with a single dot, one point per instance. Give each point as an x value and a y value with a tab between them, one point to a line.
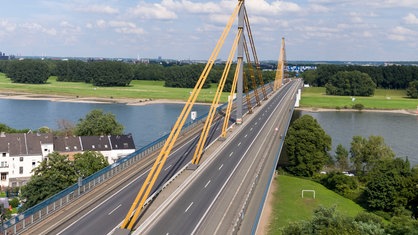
206	177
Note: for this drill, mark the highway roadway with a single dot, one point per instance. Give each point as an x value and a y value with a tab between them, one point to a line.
211	202
101	213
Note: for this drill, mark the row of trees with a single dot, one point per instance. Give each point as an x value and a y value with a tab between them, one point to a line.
95	123
389	77
382	183
115	73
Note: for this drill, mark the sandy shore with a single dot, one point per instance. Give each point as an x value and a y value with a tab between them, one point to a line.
401	111
128	101
59	98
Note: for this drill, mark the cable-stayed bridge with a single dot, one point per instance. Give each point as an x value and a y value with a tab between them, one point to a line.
221	166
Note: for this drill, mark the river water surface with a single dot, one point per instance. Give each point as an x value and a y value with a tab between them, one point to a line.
400	131
146	122
149	122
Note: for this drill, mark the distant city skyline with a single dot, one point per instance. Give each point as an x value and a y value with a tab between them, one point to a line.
315	30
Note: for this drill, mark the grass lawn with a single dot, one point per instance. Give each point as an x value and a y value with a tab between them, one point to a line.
383	99
290	206
137	90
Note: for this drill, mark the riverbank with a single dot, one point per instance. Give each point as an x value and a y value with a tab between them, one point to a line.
61	98
400	111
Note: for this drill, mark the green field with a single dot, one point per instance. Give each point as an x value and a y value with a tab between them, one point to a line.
137	90
290	206
383	99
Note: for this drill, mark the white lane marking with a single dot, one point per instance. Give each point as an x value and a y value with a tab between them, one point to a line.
188	207
206	185
227	180
251	129
239	143
255	124
231	154
167	167
114	209
103	202
220	167
245	136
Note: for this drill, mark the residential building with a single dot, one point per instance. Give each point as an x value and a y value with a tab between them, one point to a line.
21	152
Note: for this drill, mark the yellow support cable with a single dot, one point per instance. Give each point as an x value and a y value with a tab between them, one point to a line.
205	131
257	63
143	194
252	76
231	99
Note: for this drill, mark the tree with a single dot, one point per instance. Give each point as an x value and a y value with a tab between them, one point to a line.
6	129
352	83
307	146
98	123
72	71
89	162
110	73
366	152
65	128
28	71
390	186
57	173
412	90
341	155
309	77
51	176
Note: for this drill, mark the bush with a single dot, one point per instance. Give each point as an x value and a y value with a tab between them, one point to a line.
359	107
14	202
339	183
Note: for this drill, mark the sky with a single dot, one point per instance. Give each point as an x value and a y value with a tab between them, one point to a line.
315	30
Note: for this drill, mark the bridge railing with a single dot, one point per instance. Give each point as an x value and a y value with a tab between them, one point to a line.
52	204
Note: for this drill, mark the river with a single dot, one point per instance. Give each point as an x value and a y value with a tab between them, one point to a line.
400	131
146	122
149	122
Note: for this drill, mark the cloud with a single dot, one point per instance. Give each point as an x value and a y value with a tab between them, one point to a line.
126	27
193	7
318	8
400	33
7	26
119	26
411	19
152	11
97	9
276	7
38	28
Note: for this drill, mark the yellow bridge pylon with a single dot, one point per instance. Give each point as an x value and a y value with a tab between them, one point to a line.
149	182
280	73
144	192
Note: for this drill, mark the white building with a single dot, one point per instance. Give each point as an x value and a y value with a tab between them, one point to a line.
21	152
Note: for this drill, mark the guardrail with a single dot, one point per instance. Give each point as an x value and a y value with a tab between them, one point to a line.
45	208
52	204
